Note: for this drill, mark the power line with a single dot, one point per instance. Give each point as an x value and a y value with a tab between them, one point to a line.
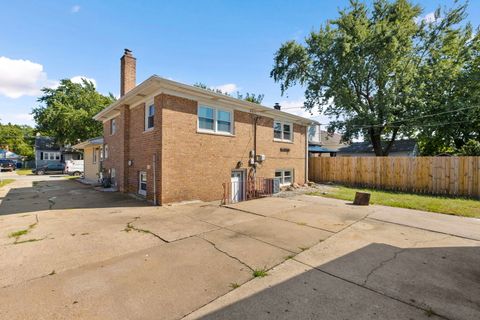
406	119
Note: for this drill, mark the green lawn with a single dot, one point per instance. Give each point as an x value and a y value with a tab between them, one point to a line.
23	172
4	182
453	206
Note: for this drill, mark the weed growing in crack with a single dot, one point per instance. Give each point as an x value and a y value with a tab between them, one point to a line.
18	233
429	312
260	273
28	240
234	285
289	257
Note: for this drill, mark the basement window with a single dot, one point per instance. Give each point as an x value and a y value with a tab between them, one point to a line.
215	120
285	176
282	131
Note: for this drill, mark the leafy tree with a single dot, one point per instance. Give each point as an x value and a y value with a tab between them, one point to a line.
250	97
451	92
364	68
471	148
66	111
18	138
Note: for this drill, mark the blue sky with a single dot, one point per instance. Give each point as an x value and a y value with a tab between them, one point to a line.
227	44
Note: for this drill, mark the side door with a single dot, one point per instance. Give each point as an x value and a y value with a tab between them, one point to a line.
237	186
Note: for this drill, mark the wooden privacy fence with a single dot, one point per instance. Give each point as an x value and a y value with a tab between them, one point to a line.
435	175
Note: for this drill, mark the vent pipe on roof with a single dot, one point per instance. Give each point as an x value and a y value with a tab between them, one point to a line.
128	72
277	106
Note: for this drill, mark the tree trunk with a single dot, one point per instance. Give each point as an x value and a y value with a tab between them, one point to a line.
376	140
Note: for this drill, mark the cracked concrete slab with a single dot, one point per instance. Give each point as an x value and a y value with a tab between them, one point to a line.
283	234
371	269
295	291
330	218
172	227
219	216
426	269
68	239
254	253
267	206
164	282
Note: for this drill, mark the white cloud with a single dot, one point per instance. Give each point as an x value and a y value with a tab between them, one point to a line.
428	18
75	9
78	79
21	78
228	88
17	118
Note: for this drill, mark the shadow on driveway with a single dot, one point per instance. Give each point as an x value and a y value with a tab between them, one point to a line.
378	281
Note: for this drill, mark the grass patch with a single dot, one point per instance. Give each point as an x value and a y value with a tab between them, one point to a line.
18	233
453	206
71	177
24	172
260	273
4	182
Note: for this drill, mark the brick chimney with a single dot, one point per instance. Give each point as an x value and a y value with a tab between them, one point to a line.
128	72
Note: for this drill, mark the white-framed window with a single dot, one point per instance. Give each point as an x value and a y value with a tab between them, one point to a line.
285	176
282	131
215	120
113	126
50	156
105	151
94	155
149	115
142	183
101	153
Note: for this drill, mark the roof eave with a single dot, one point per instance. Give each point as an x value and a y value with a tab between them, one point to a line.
137	91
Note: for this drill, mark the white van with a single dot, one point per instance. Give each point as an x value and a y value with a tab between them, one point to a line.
74	167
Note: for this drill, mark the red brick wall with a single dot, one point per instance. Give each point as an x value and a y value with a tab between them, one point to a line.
142	147
193	165
196	164
117	146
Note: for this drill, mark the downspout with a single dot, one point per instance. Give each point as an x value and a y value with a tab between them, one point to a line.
306	154
154	179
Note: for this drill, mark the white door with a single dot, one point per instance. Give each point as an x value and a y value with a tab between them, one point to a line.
237	186
142	183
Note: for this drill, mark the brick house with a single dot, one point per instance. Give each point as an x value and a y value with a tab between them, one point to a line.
172	142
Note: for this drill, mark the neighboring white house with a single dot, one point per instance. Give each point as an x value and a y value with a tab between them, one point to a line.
322	143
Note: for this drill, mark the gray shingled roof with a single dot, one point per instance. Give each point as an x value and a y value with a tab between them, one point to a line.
46	143
366	147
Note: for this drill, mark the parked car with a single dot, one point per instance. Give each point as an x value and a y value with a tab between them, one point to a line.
74	167
50	168
7	165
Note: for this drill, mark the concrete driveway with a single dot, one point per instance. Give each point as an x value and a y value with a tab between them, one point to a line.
108	256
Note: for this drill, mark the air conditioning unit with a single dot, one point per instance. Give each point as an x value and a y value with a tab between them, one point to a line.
260	157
